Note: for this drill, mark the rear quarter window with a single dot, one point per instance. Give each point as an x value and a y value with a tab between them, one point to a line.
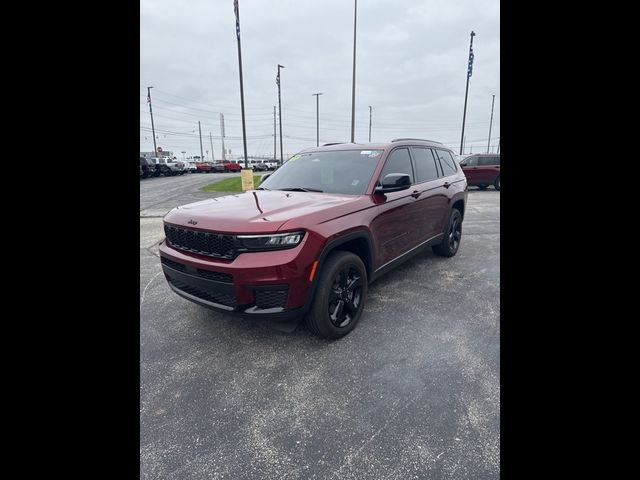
447	162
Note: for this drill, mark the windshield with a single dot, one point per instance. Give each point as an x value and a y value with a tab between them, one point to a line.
346	171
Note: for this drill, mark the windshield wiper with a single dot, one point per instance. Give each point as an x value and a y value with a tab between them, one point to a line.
262	188
300	189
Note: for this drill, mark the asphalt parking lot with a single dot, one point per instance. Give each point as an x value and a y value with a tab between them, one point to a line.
412	393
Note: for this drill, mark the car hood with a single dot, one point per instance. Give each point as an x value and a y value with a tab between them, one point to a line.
261	211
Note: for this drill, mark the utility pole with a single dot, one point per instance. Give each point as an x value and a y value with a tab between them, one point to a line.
280	111
211	140
491	122
153	129
201	154
353	86
466	93
369	123
317	95
498	146
274	133
244	130
224	156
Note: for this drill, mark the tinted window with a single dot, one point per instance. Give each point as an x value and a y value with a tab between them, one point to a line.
346	171
398	162
447	162
489	161
471	161
425	164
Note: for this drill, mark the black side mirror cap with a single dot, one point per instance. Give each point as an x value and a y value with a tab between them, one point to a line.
394	182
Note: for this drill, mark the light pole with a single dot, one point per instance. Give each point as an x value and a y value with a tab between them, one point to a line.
369	123
244	130
466	93
353	85
280	111
317	95
200	131
153	130
491	122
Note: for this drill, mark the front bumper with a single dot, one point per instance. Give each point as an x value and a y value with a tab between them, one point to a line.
271	285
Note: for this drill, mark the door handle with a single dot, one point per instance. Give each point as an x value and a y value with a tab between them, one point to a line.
416	194
446	185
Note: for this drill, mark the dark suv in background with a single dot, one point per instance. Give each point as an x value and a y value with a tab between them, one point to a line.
315	233
482	170
148	169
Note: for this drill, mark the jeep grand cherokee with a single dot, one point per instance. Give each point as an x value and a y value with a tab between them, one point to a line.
312	237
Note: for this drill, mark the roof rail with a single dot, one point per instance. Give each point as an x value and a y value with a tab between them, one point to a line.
420	139
335	143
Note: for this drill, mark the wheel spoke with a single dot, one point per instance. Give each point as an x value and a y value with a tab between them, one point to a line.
334	295
353	283
337	312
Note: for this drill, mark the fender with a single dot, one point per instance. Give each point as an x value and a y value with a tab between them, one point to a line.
332	245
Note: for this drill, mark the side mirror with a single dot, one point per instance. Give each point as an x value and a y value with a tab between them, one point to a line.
264	177
394	182
463	164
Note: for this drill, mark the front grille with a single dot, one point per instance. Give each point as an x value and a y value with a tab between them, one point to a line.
227	299
204	243
175	265
271	298
217	276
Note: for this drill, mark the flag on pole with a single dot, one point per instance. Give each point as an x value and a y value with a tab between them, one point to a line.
470	69
235	10
148	98
278	78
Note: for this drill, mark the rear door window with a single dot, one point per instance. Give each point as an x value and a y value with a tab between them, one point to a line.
425	164
487	161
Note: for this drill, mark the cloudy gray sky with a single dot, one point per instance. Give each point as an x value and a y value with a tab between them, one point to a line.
411	68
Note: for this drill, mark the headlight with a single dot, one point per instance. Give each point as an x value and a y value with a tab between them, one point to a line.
274	241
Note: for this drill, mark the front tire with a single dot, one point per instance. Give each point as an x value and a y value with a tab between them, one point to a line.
496	184
453	235
340	296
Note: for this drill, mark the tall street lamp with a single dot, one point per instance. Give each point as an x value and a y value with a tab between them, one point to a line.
317	95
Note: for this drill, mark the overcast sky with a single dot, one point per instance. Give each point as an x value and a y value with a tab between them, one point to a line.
411	68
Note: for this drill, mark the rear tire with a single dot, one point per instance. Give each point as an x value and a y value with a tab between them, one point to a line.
452	236
340	296
496	184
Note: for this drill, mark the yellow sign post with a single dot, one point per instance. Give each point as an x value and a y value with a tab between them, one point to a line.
247	179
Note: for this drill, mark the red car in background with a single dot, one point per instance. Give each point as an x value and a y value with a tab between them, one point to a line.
482	170
203	167
231	166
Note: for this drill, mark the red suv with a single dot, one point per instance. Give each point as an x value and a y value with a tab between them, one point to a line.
315	233
231	166
482	170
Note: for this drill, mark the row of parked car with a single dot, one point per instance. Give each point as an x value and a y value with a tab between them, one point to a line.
156	166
